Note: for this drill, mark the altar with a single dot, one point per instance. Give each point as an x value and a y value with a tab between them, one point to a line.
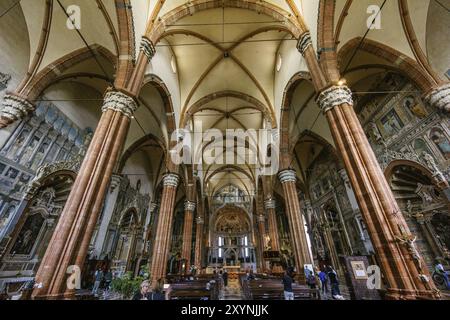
233	271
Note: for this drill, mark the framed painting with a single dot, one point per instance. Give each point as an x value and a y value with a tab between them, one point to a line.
359	270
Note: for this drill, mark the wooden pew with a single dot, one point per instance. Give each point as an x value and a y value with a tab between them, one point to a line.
272	289
194	290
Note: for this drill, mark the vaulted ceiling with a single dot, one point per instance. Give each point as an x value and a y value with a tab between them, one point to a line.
225	67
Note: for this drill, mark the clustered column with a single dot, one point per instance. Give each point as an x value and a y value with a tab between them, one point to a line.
273	227
70	241
262	235
189	208
288	180
161	245
404	270
14	108
199	242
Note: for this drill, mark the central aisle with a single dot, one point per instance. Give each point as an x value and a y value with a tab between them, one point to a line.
233	291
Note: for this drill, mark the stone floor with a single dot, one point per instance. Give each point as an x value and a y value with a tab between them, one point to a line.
233	291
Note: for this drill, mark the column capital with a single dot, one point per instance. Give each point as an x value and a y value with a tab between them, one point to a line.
15	108
439	97
287	175
152	206
120	102
269	204
148	48
189	206
261	218
334	96
307	204
200	220
304	42
115	182
171	180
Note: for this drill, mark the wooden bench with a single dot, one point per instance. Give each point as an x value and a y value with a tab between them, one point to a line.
194	290
272	289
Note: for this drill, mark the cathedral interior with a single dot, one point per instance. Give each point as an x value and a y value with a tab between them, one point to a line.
98	97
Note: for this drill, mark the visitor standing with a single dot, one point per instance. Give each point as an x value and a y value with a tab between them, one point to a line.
225	278
98	277
334	283
144	292
324	281
287	283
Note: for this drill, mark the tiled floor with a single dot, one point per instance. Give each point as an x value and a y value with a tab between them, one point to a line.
232	291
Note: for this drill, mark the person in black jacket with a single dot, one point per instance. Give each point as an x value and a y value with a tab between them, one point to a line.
144	292
288	280
225	278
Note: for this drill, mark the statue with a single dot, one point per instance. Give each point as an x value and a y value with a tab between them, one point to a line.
375	132
267	243
415	108
441	141
410	242
430	162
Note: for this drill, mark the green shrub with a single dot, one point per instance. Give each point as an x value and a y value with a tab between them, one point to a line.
127	285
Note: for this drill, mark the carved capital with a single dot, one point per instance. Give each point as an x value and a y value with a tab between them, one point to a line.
152	206
288	175
334	97
15	108
304	42
120	102
115	182
200	220
269	204
189	206
439	98
148	48
171	180
261	218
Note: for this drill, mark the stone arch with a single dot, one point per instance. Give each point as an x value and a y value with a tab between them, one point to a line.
396	163
197	106
137	146
164	92
405	65
288	94
50	73
295	27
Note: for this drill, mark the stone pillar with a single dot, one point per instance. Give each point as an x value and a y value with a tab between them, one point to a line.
347	241
262	235
329	241
131	249
405	273
189	208
148	228
199	243
110	204
269	205
439	98
14	108
288	180
161	245
70	241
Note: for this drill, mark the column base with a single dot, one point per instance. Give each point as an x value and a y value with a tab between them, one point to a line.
60	296
401	294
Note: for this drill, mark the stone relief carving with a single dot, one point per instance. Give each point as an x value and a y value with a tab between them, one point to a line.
4	80
48	169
